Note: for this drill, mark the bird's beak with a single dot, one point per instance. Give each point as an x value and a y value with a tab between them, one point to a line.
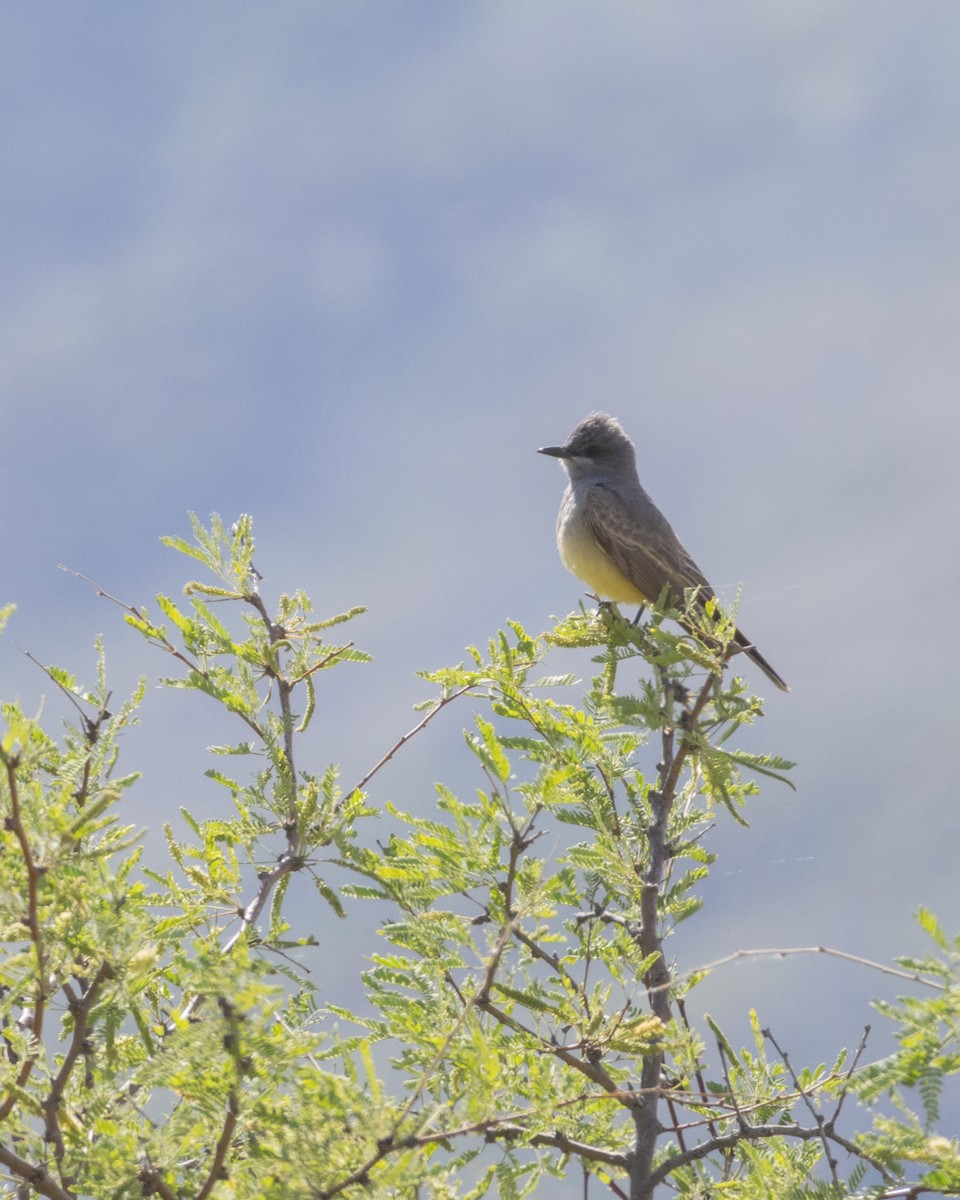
554	451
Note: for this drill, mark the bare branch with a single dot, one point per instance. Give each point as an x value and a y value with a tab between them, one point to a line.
440	704
811	1108
788	951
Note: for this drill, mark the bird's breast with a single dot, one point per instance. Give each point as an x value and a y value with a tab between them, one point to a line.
582	555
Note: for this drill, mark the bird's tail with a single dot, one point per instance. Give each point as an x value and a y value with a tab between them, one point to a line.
696	598
750	650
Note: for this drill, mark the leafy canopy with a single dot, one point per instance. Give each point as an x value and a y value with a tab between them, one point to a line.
519	1021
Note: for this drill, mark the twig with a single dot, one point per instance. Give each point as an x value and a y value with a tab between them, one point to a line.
440	704
163	642
787	951
91	726
849	1075
290	861
32	921
323	662
698	1075
385	1144
80	1010
811	1107
730	1141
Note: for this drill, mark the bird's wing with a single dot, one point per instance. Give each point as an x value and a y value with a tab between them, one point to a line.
640	542
638	539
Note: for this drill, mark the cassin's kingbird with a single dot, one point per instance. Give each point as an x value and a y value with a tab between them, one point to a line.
611	534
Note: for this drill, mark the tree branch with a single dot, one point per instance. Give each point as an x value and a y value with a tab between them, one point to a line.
80	1010
216	1174
440	704
34	1176
34	1023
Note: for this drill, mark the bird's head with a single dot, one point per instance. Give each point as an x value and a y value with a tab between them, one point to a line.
598	444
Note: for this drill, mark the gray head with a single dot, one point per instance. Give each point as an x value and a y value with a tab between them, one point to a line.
598	445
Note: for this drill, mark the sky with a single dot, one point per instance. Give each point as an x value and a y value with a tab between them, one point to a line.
346	266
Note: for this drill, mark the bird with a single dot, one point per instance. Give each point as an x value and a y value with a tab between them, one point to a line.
611	535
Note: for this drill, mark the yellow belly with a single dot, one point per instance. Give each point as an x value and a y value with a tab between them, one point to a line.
582	556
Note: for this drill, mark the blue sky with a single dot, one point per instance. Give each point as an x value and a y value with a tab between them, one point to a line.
346	266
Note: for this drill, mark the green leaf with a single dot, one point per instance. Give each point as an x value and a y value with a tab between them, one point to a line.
488	749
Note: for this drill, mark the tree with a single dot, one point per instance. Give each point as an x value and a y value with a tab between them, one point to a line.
522	1019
